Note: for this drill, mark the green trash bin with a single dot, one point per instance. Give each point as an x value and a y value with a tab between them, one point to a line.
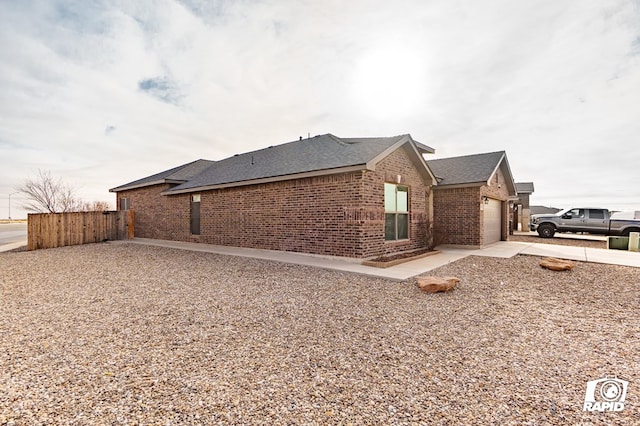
618	243
634	241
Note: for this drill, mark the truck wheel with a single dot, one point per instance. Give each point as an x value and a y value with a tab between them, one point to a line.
546	230
626	232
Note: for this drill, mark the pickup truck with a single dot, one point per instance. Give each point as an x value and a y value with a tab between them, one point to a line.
591	220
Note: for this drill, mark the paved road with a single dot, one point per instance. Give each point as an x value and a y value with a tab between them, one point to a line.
12	233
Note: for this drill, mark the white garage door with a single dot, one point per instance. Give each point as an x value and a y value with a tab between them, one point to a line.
492	221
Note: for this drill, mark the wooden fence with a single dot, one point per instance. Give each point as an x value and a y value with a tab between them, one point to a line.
49	230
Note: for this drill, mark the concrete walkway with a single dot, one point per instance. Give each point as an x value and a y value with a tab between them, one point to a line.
12	246
503	249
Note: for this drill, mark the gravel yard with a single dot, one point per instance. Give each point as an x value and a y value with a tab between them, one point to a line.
559	241
131	334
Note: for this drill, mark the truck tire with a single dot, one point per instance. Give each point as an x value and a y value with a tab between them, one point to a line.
546	230
628	231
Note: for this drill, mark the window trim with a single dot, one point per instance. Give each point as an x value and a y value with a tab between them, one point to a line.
397	213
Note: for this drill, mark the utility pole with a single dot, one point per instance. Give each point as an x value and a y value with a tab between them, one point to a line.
13	193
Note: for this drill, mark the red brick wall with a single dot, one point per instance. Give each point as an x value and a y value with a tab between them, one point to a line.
304	215
340	215
457	214
397	163
158	216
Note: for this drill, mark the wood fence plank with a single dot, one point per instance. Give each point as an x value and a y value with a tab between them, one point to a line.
50	230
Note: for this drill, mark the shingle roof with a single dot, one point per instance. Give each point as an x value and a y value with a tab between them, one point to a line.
175	175
306	155
467	169
319	153
524	187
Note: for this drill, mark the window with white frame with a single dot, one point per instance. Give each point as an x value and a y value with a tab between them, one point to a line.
396	212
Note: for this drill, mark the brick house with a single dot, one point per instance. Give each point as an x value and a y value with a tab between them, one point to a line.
355	197
521	206
471	199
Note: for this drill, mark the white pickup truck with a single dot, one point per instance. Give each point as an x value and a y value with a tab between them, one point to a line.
591	220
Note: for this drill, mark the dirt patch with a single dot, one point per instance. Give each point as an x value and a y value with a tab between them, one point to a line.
398	258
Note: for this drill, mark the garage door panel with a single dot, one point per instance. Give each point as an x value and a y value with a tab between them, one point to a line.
492	221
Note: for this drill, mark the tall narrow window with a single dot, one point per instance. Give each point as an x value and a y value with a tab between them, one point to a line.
124	203
195	214
396	212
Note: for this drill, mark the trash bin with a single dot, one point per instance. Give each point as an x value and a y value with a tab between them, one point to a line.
634	241
618	243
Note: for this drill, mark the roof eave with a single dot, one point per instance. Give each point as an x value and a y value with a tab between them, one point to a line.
267	180
424	149
420	159
511	183
503	164
461	185
414	149
145	184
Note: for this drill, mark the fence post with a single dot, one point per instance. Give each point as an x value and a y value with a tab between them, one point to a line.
131	221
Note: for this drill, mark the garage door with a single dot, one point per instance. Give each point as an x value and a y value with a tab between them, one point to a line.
492	221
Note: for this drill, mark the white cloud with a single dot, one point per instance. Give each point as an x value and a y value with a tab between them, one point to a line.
555	84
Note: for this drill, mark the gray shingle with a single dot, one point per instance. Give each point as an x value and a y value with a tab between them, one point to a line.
467	169
175	175
524	187
321	152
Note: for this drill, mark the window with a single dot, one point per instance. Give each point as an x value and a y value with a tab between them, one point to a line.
576	213
596	214
124	204
195	214
396	212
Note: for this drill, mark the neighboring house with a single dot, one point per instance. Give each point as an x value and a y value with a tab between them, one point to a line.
471	199
521	207
355	197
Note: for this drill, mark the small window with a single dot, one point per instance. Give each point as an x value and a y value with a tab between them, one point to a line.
596	214
124	203
396	208
195	214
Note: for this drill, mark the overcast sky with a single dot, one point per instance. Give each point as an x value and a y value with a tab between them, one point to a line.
104	92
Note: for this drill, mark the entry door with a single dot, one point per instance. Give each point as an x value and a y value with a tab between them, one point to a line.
492	221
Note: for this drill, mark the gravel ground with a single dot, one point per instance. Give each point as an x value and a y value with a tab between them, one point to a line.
130	334
558	241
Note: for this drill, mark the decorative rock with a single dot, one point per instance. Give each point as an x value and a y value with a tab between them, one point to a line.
557	264
436	284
